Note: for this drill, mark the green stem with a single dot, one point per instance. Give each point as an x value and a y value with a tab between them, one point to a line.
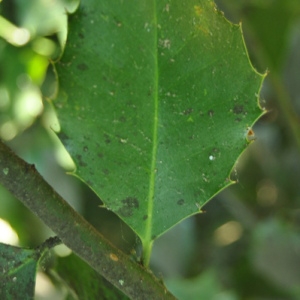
147	250
27	185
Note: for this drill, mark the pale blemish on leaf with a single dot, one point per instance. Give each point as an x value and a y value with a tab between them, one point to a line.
211	112
113	257
198	10
250	135
123	141
167	8
166	43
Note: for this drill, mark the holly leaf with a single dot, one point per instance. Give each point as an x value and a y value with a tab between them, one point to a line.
154	103
86	284
18	272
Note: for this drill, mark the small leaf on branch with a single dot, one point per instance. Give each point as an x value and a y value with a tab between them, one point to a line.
19	267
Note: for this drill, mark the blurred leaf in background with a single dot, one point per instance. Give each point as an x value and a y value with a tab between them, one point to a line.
27	31
32	33
86	284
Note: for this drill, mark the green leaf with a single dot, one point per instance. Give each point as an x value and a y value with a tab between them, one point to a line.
83	281
18	271
206	286
275	251
154	103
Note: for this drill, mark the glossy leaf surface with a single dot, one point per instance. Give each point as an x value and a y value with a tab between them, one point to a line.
18	272
154	104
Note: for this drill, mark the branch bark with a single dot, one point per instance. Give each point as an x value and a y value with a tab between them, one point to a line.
27	185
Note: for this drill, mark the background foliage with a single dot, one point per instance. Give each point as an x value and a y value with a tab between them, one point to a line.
246	245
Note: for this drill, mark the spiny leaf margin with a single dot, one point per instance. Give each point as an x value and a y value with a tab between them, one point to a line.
154	174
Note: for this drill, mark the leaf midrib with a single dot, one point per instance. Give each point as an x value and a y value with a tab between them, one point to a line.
147	243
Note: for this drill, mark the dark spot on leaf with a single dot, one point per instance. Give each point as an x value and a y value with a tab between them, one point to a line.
145	217
107	139
188	111
129	204
85	149
210	112
180	202
63	136
238	120
132	202
238	109
105	171
117	22
100	155
122	119
81	35
82	67
80	161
